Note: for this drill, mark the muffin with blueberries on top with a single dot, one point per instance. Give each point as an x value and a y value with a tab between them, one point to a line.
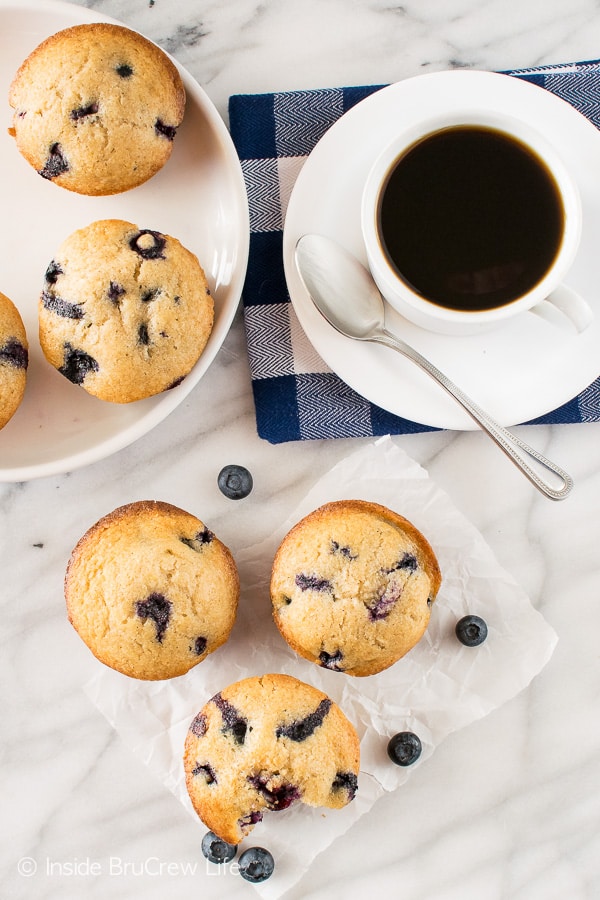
125	312
352	586
97	108
14	359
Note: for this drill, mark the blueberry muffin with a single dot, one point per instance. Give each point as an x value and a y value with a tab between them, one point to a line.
97	108
14	358
265	743
151	590
352	586
124	312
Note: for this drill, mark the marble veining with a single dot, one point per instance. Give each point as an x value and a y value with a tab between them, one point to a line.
506	809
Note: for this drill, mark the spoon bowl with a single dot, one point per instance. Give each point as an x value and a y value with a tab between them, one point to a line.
345	294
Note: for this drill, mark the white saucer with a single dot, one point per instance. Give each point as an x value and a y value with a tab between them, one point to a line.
199	197
518	371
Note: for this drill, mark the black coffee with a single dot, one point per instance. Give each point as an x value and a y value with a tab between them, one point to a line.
470	218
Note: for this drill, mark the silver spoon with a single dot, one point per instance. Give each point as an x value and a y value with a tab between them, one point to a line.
346	295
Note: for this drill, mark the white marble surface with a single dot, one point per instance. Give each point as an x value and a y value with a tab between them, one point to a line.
506	809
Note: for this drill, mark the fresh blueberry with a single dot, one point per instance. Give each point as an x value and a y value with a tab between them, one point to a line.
217	850
471	631
256	864
235	482
404	748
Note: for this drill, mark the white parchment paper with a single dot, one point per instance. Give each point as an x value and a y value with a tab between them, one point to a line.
439	687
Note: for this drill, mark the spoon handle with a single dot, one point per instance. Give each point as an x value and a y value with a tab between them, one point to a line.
520	453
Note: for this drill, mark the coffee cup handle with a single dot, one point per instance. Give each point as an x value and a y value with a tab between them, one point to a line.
565	304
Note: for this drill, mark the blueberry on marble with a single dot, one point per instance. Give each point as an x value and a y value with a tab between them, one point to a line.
235	482
207	771
301	729
277	797
331	661
63	308
217	850
157	608
312	583
124	70
404	748
14	354
168	131
56	163
199	725
256	864
346	781
471	631
148	244
52	272
200	645
83	111
77	364
199	540
233	721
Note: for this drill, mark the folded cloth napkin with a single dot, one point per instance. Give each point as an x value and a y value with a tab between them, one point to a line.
296	395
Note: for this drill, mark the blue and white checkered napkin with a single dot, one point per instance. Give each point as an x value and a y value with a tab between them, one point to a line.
296	395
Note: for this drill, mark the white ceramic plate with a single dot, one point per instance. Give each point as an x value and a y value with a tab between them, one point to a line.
199	197
517	372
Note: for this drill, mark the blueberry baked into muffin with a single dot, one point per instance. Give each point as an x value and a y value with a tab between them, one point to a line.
14	358
124	312
151	590
97	107
265	743
352	586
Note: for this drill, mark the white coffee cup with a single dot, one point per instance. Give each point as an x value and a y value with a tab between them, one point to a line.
548	297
